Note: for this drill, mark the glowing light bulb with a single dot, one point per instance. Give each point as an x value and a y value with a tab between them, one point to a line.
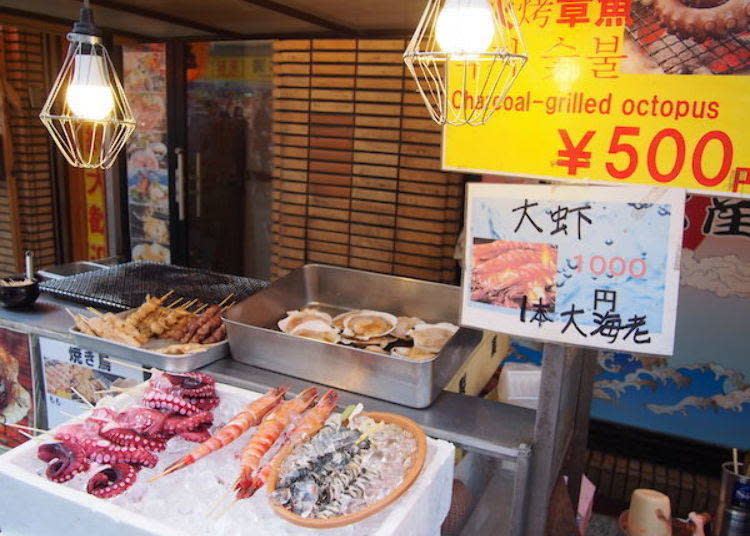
465	27
89	95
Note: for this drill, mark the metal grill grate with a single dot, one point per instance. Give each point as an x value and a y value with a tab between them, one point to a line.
125	286
684	56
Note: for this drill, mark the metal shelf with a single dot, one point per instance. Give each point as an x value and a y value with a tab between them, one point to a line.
483	426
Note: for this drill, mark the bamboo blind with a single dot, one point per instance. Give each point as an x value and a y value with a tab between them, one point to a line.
357	178
26	193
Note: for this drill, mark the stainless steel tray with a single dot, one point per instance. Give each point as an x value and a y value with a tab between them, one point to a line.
255	339
147	357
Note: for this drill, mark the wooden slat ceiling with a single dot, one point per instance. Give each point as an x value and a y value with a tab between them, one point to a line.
232	19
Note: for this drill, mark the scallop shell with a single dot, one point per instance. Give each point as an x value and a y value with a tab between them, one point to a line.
381	342
366	325
338	320
404	325
411	352
295	318
432	337
317	330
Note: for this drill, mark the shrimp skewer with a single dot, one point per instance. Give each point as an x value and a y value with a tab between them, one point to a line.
250	416
309	425
264	438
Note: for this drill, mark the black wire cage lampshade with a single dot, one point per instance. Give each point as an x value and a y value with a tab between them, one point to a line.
464	56
86	112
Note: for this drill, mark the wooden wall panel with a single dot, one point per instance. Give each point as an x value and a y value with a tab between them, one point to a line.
357	177
26	195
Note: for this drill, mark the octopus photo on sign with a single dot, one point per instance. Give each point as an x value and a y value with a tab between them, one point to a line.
504	272
15	401
687	37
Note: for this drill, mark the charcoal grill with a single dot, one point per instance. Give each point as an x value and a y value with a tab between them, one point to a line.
125	286
684	56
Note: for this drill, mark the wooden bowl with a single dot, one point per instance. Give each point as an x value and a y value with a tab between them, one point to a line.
409	477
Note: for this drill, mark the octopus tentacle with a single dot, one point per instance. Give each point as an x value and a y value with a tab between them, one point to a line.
701	22
176	424
128	438
112	480
206	403
196	436
65	460
198	392
168	402
118	454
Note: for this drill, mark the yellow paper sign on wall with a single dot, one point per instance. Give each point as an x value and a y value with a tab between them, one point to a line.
600	99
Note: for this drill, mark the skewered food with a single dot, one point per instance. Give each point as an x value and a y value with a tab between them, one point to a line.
152	320
345	467
128	440
248	417
375	331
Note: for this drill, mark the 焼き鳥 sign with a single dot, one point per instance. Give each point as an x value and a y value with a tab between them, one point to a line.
614	92
592	266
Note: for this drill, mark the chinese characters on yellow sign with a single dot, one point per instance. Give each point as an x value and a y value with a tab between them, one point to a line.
611	94
96	216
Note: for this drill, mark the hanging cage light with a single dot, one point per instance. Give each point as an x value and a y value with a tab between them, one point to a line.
464	56
86	112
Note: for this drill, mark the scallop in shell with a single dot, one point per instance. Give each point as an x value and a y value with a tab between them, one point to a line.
317	330
366	325
382	342
411	352
295	318
432	337
404	324
338	320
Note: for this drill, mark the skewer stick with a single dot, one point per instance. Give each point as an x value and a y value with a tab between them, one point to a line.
71	313
199	309
97	312
169	470
222	498
225	510
129	365
178	300
225	300
225	309
371	430
29	436
167	295
81	396
735	456
188	305
22	427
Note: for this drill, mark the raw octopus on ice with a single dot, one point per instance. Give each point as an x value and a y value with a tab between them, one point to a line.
126	441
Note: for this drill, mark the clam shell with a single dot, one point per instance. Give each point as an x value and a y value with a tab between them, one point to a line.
411	352
316	330
404	325
366	325
338	320
295	318
432	337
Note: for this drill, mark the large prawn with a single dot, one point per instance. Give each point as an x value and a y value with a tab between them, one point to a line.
251	415
264	438
309	425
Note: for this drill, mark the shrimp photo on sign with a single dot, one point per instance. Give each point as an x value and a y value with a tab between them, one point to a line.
586	265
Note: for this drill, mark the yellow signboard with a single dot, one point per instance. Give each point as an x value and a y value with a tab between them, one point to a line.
601	99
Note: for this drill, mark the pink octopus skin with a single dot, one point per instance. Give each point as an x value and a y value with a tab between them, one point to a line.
128	438
65	460
169	402
177	424
112	481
